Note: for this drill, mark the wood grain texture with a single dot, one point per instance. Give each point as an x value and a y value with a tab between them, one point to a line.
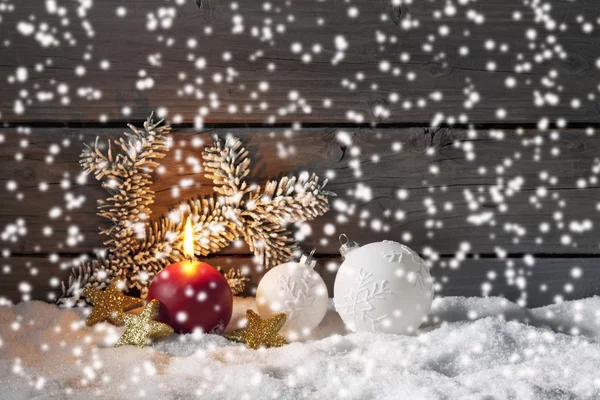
414	185
545	282
395	61
459	197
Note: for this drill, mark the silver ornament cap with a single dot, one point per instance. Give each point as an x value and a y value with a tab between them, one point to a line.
347	245
308	259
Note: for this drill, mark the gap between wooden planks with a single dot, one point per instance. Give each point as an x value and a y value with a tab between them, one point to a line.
436	210
383	167
320	90
549	280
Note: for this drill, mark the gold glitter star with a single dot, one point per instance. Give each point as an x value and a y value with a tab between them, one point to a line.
141	330
109	304
259	332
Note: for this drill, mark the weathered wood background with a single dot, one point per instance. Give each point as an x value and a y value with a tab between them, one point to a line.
502	207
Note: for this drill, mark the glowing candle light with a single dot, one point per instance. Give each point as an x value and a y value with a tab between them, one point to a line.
188	246
194	296
188	239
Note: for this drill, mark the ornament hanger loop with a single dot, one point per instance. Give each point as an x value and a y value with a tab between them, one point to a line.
343	236
347	245
309	259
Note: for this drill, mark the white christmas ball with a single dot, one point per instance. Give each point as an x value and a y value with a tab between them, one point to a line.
296	289
382	287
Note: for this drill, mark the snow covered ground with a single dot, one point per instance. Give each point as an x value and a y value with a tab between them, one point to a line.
473	348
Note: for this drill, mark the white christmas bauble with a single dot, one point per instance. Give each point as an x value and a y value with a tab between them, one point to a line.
296	289
382	287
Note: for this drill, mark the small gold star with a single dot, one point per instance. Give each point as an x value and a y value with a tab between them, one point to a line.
258	332
109	304
141	330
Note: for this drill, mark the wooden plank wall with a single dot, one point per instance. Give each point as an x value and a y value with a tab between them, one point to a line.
501	197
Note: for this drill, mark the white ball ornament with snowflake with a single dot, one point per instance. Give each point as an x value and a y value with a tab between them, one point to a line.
382	287
294	288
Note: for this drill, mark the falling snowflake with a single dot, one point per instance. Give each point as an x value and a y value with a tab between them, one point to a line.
357	302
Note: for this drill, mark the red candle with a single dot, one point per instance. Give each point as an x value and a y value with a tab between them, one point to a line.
193	295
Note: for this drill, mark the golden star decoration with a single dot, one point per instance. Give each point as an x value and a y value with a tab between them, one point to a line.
260	333
141	330
109	305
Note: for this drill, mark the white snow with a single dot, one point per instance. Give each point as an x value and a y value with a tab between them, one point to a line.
473	348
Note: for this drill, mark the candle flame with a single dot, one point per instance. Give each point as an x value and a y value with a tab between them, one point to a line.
188	239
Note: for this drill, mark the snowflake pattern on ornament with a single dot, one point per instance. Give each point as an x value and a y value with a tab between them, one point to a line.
416	278
415	256
420	278
425	282
302	299
393	256
357	302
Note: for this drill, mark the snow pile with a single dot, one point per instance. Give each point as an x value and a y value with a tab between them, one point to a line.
472	348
